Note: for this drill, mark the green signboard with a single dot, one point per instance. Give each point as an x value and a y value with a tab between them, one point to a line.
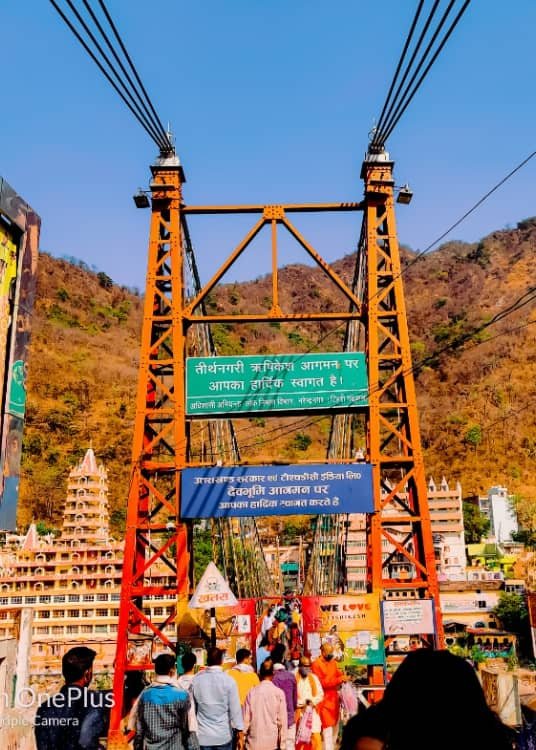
285	382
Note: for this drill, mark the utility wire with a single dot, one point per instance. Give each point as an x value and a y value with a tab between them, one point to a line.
525	299
442	236
467	213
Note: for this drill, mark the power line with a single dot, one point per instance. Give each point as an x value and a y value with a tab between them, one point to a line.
469	212
525	299
473	208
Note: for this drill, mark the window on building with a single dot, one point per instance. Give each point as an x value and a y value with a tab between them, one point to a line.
101	628
102	597
74	613
481	603
43	614
89	597
102	613
74	598
58	599
72	629
87	628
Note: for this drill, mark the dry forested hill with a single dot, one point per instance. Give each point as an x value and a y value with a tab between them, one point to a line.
473	330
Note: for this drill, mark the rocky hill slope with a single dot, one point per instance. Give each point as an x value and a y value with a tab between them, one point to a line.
472	319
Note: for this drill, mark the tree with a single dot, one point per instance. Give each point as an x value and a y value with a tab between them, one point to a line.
202	549
473	436
512	612
476	525
525	510
43	529
104	280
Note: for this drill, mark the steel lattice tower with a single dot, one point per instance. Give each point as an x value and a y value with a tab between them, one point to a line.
153	535
402	516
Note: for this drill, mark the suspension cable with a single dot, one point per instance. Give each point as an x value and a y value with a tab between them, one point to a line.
395	105
390	126
151	115
133	68
142	116
401	60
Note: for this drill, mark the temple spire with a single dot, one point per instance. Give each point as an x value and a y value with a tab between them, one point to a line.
85	519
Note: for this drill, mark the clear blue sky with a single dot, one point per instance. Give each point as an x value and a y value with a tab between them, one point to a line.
269	101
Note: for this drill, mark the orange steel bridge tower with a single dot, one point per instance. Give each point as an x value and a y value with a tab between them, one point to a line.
155	537
402	517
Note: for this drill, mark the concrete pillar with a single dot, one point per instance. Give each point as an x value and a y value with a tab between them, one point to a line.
22	669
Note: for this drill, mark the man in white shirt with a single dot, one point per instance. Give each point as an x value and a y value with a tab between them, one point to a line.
218	705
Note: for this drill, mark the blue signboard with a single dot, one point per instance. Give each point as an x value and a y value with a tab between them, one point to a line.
302	489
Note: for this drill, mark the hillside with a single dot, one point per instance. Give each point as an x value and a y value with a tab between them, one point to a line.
476	385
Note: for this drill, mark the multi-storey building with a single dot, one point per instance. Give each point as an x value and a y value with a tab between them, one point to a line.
70	586
470	603
497	505
446	515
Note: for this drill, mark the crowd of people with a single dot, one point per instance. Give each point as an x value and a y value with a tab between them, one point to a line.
434	700
280	707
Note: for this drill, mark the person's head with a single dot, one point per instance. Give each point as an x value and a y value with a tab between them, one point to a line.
189	660
304	666
327	651
435	700
243	656
278	653
214	657
77	666
281	615
165	664
266	672
365	731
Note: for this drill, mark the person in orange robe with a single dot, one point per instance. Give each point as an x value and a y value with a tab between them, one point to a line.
331	678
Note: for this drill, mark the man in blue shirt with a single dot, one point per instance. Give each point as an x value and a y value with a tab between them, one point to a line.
75	718
218	705
161	713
